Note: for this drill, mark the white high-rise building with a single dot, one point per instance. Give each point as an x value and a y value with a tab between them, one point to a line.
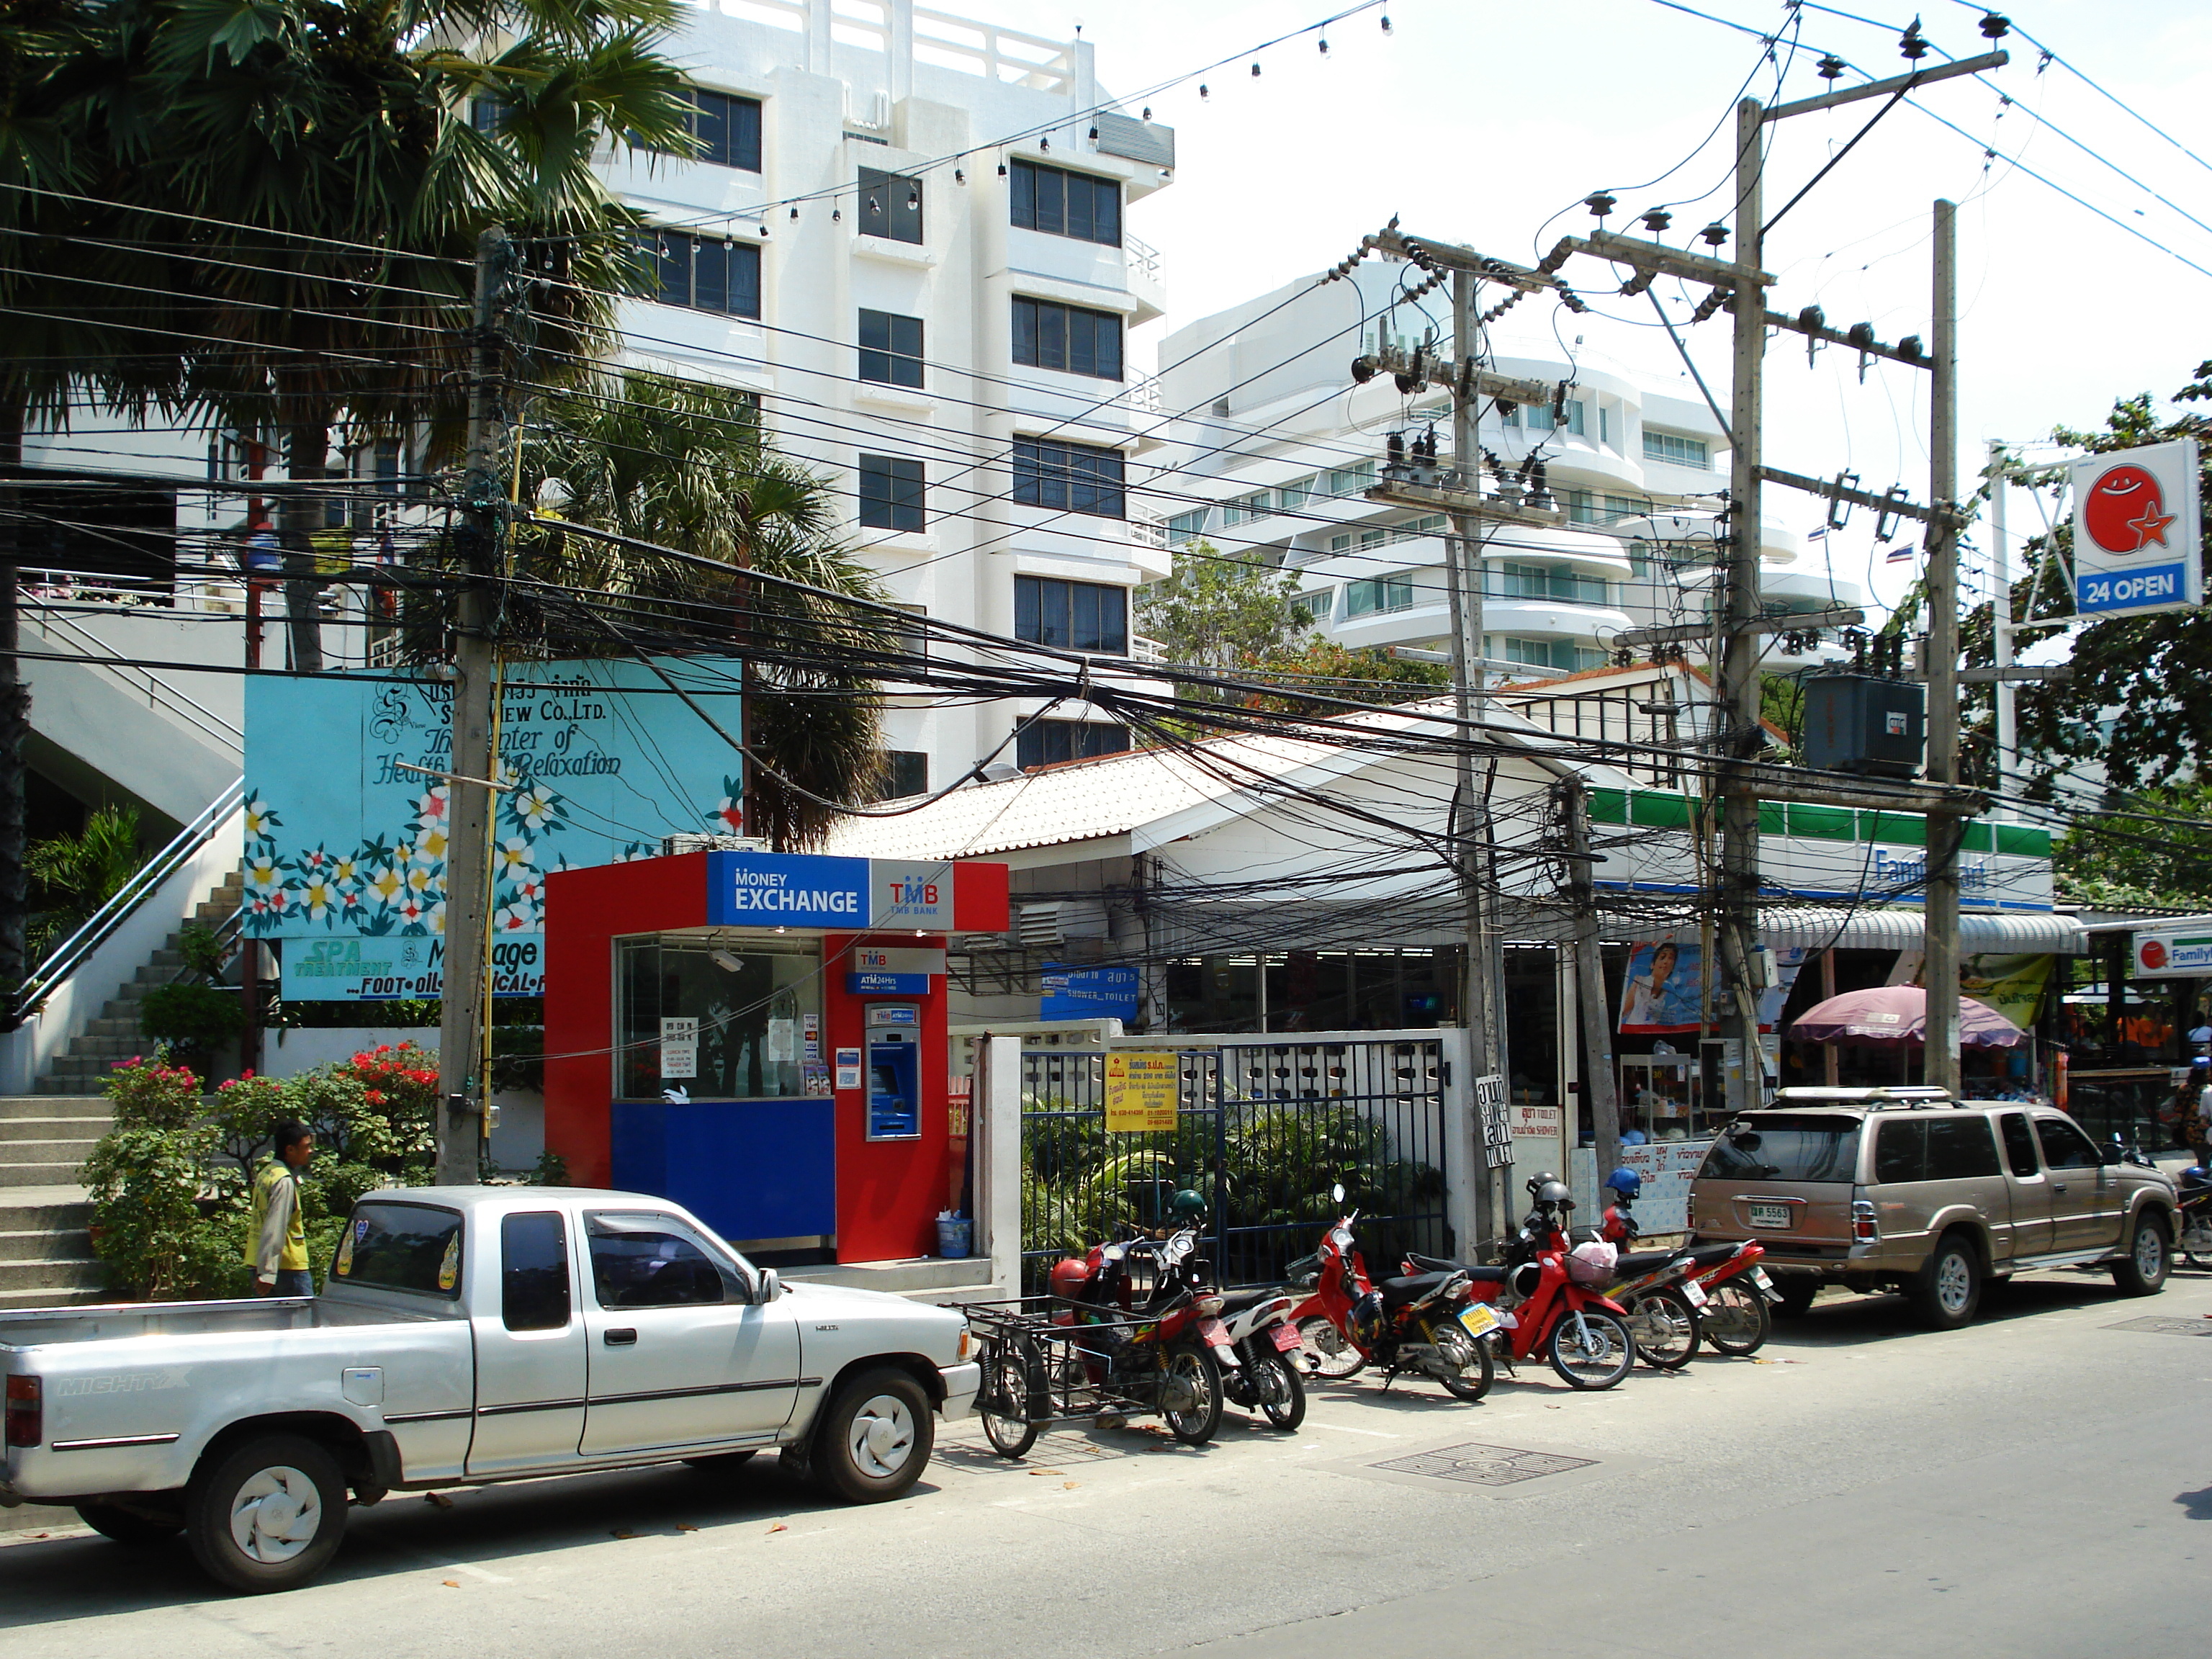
1282	443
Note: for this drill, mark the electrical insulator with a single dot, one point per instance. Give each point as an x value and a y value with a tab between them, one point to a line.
1362	369
1813	317
1657	219
1393	451
1830	67
1600	205
1911	44
1995	24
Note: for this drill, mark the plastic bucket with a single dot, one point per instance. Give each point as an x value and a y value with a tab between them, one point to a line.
953	1236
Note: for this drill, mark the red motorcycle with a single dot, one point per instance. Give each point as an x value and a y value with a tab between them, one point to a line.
1429	1322
1171	1361
1725	1282
1547	1299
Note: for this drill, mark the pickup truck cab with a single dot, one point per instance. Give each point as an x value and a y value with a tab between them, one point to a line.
465	1335
1906	1189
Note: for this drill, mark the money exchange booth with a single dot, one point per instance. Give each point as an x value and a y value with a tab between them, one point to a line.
760	1038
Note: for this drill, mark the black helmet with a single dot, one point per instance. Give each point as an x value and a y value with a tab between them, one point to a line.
1554	1191
1541	1178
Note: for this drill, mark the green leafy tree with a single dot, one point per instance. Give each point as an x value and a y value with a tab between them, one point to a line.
2159	855
1345	672
1222	613
72	876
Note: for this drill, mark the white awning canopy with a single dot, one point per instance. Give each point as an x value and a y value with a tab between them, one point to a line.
1882	928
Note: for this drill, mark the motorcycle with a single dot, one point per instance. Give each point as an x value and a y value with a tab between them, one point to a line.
2195	1243
1665	1304
1429	1322
1736	1319
1171	1362
1546	1299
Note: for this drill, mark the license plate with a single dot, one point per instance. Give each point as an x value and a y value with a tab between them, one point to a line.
1480	1320
1214	1332
1769	1215
1694	1293
1758	1278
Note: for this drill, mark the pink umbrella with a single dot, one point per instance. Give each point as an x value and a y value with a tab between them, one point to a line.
1898	1013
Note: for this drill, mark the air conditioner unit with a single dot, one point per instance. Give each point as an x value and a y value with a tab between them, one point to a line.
1040	926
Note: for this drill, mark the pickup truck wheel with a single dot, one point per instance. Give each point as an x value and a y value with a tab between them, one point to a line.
875	1438
2142	1270
127	1527
268	1515
1949	1288
1798	1290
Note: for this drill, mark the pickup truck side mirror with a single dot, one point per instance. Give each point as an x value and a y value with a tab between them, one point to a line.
2107	1154
771	1286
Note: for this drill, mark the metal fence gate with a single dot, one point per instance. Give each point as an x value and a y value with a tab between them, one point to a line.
1264	1129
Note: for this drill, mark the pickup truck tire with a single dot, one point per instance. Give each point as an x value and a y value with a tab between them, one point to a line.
267	1514
875	1438
1948	1289
1798	1290
2142	1270
139	1531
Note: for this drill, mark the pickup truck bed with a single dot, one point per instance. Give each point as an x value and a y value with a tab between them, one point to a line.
464	1335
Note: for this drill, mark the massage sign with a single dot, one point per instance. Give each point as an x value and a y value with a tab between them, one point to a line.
2137	531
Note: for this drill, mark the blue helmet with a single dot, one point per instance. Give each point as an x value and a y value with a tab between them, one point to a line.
1626	1182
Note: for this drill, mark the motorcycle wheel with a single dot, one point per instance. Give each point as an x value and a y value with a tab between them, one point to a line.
1003	1402
1735	1320
1197	1371
1590	1350
1328	1352
1453	1342
1666	1329
1275	1385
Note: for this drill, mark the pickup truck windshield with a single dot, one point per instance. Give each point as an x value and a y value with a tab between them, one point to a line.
402	1247
1785	1149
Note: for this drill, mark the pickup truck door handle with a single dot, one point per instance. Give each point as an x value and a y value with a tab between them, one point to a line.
2058	1186
621	1337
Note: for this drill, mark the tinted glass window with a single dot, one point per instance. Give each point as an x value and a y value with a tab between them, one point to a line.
1786	1149
892	494
2019	1144
1074	616
401	1246
2064	1146
1066	203
1900	1151
1959	1148
728	130
1048	742
533	1272
1068	338
891	348
890	205
647	1264
707	273
1074	478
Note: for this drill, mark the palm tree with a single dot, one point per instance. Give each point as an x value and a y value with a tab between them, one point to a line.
681	464
342	156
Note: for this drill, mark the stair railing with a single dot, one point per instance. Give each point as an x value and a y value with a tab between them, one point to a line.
72	952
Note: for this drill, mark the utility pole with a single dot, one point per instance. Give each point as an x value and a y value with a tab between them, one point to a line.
15	726
1589	974
463	1078
1945	829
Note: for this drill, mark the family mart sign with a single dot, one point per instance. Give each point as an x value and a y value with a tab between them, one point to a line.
2175	952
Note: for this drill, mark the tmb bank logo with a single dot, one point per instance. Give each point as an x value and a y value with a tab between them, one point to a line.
1913	872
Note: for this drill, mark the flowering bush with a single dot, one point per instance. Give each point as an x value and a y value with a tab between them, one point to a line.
158	1096
147	1177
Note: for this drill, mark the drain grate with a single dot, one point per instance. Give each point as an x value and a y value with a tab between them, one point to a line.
1478	1465
2166	1327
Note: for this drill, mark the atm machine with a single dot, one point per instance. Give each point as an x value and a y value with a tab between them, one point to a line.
894	1039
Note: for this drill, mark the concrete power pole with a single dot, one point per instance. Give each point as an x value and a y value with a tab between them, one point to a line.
462	1079
1589	974
1945	830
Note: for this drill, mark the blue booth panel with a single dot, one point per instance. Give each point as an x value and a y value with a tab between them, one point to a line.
749	1169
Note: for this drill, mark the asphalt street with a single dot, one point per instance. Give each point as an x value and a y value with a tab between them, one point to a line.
2037	1485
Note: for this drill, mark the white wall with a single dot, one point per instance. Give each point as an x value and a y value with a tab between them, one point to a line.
516	1142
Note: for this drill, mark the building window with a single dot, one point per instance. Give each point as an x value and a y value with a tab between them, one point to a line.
891	206
891	493
1048	742
1066	203
1072	616
1292	497
906	772
1429	525
1379	594
707	273
1537	581
1581	505
1675	450
728	130
1185	526
1575	419
1552	654
1351	480
1319	605
891	348
1341	543
1068	338
913	637
1073	477
1247	509
1604	425
1510	415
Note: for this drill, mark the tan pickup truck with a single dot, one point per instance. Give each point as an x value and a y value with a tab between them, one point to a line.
1907	1189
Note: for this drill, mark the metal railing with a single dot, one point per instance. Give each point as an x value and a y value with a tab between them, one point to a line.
73	952
158	692
1144	260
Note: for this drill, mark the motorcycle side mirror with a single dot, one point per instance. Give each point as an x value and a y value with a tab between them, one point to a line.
1337	1192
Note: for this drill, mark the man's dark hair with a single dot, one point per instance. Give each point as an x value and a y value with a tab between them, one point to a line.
290	1133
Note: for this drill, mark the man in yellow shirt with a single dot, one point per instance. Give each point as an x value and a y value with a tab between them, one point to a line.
278	1250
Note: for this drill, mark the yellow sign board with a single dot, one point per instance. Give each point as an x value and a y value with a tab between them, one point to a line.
1141	1091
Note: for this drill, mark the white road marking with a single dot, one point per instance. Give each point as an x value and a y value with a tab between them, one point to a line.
1346	1428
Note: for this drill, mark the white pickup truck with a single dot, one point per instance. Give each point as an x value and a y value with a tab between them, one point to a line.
465	1335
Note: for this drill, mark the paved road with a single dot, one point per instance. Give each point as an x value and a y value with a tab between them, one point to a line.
2035	1486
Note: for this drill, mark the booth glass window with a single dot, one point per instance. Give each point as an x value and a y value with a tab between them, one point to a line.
757	1002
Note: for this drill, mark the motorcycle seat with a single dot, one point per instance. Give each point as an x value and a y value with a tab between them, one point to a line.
1397	1292
1234	1301
1711	1255
1437	1264
1640	1262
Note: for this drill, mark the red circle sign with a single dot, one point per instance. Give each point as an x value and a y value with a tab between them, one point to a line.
2152	955
2124	511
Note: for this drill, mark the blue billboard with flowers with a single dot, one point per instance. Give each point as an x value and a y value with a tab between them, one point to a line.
347	848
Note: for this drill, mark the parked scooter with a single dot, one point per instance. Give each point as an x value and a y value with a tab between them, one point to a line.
2195	1243
1736	1319
1664	1304
1547	1296
1429	1322
1174	1363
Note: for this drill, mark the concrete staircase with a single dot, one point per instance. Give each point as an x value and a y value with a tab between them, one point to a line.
45	1254
114	1036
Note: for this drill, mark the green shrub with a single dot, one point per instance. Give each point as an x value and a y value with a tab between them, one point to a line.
155	1097
147	1226
188	1019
